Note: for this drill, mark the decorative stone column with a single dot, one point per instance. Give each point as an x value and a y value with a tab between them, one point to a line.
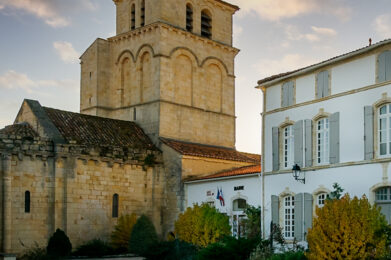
7	206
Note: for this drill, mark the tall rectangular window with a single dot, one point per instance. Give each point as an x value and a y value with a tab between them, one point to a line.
115	206
288	146
289	214
189	18
206	24
142	16
27	202
133	17
323	141
385	130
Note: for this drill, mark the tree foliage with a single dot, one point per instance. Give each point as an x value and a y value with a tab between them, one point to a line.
253	222
202	225
121	234
143	236
347	229
59	244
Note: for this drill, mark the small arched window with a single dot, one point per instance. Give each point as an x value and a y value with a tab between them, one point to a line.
320	199
383	200
189	18
385	130
322	141
133	17
239	204
27	202
115	205
142	16
206	24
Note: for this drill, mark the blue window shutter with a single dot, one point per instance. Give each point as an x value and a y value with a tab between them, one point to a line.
388	65
334	138
382	67
298	216
325	83
285	95
291	94
275	207
308	142
368	133
307	213
319	85
275	148
298	143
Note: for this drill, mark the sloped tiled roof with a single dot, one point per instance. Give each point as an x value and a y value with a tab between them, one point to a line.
22	130
246	170
98	131
339	57
215	152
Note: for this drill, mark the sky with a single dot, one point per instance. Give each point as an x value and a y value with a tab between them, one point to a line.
41	41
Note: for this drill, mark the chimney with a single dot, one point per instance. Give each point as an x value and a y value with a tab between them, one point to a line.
370	41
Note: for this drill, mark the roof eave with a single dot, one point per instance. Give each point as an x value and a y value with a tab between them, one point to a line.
221	178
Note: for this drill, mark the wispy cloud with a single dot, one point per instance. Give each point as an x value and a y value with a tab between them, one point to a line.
289	62
15	80
66	52
316	34
382	25
53	12
275	10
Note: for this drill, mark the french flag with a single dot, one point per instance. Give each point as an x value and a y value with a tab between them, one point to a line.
220	196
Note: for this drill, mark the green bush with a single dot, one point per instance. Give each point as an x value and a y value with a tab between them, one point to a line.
202	225
229	248
143	236
35	253
262	251
171	250
253	222
94	248
289	256
59	244
121	234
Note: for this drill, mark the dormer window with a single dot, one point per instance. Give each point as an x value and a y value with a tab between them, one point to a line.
189	18
142	23
206	24
133	17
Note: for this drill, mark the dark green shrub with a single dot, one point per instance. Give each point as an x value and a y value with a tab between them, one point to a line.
94	248
35	253
143	236
253	222
229	248
171	250
59	244
289	256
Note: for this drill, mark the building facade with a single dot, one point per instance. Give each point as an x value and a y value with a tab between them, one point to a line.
333	120
157	107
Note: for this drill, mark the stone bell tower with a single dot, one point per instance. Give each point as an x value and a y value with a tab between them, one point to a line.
170	68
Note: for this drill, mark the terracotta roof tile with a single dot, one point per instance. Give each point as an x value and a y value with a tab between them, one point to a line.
281	75
246	170
23	130
98	131
216	152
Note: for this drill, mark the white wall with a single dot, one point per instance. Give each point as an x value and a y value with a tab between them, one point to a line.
356	180
305	88
351	108
197	192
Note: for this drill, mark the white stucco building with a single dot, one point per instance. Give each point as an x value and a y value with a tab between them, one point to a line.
332	119
239	187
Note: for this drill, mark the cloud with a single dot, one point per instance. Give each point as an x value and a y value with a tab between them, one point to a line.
66	52
289	62
275	10
382	25
316	34
15	80
53	12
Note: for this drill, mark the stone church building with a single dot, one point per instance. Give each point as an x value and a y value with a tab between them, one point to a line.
157	106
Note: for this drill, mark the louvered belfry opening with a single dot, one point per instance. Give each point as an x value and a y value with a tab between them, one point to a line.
206	24
189	18
133	17
142	23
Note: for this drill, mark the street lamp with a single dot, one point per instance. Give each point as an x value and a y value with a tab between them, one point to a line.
296	171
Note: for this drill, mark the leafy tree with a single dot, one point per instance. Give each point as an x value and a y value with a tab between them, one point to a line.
253	222
59	244
202	225
347	229
143	236
336	193
121	234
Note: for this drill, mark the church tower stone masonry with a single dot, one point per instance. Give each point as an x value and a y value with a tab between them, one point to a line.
170	68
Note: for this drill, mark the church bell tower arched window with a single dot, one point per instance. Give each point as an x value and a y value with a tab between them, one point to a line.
189	18
142	23
133	17
206	24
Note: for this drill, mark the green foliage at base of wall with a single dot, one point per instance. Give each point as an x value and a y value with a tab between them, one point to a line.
143	236
59	244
